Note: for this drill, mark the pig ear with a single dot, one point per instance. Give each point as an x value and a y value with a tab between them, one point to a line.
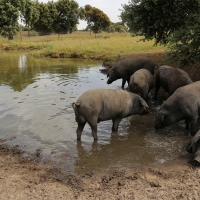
144	104
110	73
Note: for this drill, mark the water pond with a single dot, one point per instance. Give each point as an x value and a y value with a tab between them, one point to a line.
36	115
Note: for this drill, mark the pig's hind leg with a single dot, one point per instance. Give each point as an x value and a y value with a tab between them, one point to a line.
93	124
193	126
80	130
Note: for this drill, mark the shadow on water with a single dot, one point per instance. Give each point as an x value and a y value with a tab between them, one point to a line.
36	113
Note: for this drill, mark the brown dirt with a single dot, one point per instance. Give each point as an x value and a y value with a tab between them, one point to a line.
22	179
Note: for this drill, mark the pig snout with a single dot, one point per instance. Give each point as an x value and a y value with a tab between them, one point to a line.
158	125
144	111
109	81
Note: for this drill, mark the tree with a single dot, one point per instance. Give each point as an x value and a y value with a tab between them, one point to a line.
96	19
8	19
67	17
173	22
47	15
10	10
30	13
117	27
120	27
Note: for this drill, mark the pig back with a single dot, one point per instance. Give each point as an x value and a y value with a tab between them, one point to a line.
171	78
187	96
143	77
106	103
131	65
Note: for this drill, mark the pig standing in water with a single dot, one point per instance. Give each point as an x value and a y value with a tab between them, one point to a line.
126	67
170	78
141	83
184	103
98	105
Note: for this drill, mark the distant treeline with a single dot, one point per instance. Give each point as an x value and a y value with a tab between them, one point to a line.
59	17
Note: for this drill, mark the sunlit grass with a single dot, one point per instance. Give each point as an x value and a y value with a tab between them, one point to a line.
106	46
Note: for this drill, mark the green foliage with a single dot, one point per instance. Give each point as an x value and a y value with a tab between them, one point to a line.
67	16
8	19
47	15
30	13
173	22
185	43
117	27
96	19
61	16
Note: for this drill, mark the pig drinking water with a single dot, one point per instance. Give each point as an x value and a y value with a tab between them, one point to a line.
184	103
126	67
141	83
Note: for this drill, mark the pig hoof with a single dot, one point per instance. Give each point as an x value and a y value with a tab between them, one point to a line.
78	139
189	148
96	138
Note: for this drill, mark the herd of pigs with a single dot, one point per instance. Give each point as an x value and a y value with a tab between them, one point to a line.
183	103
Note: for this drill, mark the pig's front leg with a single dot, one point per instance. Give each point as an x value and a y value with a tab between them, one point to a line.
116	124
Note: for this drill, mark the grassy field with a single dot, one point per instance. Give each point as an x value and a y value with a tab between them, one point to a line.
106	46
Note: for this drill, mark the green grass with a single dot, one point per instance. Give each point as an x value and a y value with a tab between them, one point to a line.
107	46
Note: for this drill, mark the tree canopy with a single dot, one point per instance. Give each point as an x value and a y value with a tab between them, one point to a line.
172	22
61	16
96	19
8	18
30	13
68	16
47	15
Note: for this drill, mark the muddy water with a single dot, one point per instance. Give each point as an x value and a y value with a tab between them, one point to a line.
36	116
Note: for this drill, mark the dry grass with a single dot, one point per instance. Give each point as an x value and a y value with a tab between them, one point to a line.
106	46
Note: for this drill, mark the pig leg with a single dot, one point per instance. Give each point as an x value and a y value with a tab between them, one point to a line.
128	79
196	160
93	124
194	143
123	82
157	88
187	123
193	124
80	130
145	95
115	124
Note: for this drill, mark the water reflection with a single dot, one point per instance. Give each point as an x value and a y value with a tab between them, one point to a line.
22	62
136	143
36	112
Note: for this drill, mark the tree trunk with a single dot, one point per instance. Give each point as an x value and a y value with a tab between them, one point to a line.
10	37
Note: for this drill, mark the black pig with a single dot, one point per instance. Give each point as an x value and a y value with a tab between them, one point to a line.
170	78
184	103
126	67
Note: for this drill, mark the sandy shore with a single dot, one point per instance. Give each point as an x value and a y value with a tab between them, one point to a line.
21	179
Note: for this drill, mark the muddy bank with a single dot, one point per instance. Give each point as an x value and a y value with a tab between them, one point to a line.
22	179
